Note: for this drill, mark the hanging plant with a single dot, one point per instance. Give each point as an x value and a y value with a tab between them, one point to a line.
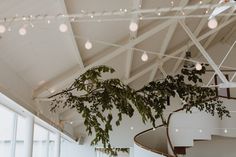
94	98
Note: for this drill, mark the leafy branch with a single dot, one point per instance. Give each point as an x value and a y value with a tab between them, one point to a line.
95	98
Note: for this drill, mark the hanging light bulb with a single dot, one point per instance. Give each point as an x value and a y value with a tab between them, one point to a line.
2	29
212	23
88	45
144	57
133	26
63	28
22	31
225	131
198	66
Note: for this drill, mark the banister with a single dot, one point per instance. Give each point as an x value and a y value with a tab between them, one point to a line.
148	148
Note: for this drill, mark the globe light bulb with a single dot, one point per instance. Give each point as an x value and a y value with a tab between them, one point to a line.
212	23
88	45
133	26
63	28
225	131
22	31
2	29
144	57
198	66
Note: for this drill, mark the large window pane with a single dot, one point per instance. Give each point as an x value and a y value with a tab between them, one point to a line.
20	136
52	138
6	130
40	141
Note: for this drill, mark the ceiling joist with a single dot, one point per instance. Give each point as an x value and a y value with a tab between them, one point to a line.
203	51
202	37
104	59
133	35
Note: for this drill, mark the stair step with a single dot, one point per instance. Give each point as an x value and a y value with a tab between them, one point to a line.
180	150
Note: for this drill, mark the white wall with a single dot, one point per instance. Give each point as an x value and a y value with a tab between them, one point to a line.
218	147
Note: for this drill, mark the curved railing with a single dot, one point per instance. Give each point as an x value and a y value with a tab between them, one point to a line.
141	144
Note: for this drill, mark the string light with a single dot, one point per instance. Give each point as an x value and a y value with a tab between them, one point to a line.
52	91
144	57
88	45
154	129
63	28
225	131
200	131
198	66
133	26
48	21
71	122
22	31
176	130
131	128
212	23
2	29
200	2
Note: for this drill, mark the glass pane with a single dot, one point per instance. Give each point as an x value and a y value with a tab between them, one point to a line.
40	141
6	130
52	138
20	136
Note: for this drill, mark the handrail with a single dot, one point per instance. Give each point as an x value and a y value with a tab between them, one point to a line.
148	148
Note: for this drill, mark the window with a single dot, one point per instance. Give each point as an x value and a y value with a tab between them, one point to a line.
6	131
20	136
40	145
52	139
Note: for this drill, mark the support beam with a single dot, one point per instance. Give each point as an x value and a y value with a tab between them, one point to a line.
172	29
163	71
136	5
209	40
196	33
105	59
168	38
203	51
70	31
141	73
153	73
202	37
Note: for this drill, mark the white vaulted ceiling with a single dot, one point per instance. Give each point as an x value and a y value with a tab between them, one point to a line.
46	60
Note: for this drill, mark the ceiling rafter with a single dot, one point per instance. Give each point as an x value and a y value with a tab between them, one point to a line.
196	33
211	39
203	51
136	5
168	37
202	37
71	33
104	59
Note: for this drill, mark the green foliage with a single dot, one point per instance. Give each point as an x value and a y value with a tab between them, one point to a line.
95	98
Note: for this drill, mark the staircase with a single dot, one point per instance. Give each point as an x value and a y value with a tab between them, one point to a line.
185	131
